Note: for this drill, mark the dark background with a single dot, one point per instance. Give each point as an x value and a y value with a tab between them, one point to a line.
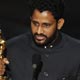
14	15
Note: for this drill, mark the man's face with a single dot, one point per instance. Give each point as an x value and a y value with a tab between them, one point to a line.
43	26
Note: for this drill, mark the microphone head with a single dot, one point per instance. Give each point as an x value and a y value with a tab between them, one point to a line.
36	59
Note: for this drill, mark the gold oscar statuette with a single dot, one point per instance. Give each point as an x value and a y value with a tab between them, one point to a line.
2	49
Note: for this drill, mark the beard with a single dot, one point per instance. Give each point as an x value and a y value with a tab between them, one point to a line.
44	40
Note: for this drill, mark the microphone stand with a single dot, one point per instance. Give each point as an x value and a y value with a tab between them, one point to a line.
36	65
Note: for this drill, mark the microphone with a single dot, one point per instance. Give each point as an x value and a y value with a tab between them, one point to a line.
36	65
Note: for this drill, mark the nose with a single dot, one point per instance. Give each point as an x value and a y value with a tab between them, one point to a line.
40	30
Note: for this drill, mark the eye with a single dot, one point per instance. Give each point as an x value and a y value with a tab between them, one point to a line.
46	25
35	23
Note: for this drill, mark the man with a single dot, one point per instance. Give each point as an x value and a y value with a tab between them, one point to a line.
44	53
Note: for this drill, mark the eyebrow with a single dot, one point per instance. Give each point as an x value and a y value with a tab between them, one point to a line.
33	20
45	23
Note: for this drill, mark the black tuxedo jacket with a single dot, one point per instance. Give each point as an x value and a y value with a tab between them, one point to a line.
61	62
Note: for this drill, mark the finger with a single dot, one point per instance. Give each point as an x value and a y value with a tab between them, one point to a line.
2	68
5	60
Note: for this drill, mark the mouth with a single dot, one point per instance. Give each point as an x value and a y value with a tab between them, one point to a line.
40	38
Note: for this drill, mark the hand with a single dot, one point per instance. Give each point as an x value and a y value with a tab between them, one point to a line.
3	61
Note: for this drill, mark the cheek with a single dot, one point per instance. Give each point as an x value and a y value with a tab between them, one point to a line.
50	32
33	29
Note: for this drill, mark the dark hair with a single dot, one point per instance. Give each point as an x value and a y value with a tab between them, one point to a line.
56	7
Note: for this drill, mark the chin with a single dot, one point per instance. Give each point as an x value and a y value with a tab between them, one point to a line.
41	43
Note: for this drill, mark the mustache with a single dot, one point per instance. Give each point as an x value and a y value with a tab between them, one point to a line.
36	34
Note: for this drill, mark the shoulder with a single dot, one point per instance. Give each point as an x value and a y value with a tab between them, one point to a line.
69	38
23	38
71	41
71	46
18	45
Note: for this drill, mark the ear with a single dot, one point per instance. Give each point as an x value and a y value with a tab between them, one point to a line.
60	23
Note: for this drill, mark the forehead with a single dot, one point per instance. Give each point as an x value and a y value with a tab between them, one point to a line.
45	15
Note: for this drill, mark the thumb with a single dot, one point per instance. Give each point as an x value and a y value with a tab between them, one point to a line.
5	60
